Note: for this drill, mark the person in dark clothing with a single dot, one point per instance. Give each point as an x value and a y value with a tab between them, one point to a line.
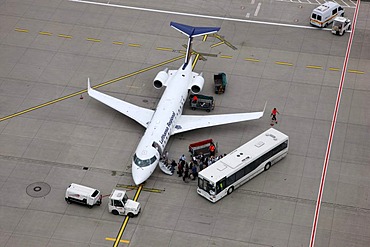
180	169
173	165
194	172
186	173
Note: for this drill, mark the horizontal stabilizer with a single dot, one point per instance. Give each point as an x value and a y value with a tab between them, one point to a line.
191	31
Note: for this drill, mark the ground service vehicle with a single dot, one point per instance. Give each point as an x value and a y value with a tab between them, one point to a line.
119	204
323	15
258	155
341	25
203	102
83	195
220	83
201	147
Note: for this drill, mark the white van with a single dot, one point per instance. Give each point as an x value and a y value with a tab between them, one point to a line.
323	15
83	195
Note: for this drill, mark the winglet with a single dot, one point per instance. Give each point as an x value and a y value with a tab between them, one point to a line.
264	108
192	32
88	86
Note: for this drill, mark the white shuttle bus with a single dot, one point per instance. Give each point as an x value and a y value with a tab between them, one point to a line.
258	155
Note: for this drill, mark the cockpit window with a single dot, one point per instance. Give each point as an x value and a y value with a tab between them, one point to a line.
143	163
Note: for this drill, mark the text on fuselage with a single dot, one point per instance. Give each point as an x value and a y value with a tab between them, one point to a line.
166	131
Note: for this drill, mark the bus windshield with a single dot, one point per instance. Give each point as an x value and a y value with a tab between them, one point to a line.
206	185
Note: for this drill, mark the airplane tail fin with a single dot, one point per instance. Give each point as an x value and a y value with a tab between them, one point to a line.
192	32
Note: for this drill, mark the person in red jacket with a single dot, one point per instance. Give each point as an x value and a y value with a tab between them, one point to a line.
195	99
212	150
273	116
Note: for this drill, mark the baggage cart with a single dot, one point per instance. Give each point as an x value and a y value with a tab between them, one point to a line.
220	83
201	147
203	102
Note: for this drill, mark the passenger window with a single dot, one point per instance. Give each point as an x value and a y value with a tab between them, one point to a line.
334	11
319	17
313	16
340	8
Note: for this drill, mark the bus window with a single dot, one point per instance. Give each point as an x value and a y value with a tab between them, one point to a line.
239	174
230	180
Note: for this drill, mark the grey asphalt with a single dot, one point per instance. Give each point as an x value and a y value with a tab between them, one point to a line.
48	49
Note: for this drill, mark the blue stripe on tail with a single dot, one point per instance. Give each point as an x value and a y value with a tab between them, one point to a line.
192	32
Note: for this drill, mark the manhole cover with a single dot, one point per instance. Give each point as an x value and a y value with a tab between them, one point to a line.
38	189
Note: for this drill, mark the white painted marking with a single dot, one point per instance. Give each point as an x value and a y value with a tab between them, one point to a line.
332	129
247	15
197	15
257	9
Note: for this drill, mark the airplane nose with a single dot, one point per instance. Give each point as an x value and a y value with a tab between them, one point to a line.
139	174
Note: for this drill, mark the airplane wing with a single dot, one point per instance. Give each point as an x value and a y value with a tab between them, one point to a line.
137	113
191	122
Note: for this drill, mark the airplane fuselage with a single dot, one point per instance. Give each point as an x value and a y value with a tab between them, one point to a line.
160	128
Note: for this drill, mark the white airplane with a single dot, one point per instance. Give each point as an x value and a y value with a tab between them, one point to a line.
167	119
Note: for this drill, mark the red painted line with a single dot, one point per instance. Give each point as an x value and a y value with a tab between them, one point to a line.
332	129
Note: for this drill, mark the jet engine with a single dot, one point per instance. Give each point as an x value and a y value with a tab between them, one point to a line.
161	79
197	84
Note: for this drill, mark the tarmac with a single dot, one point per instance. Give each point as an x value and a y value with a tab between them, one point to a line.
52	133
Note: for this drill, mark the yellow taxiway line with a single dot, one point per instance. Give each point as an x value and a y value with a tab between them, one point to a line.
334	69
124	224
283	63
21	30
313	67
356	71
121	241
252	59
45	33
93	40
65	36
96	86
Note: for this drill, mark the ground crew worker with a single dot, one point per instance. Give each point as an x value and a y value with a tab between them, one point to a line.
273	116
212	149
195	99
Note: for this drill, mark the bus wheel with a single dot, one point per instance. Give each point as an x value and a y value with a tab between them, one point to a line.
130	215
115	212
267	166
68	201
230	190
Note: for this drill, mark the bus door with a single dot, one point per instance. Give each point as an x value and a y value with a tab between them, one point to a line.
220	185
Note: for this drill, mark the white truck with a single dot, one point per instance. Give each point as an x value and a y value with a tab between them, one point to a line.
83	195
341	25
119	204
